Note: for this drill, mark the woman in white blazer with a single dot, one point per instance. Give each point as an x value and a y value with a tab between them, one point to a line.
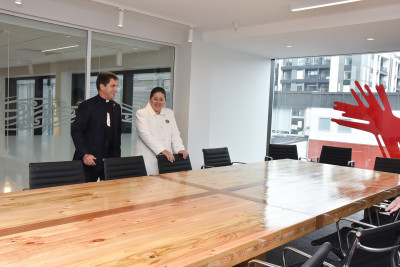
157	132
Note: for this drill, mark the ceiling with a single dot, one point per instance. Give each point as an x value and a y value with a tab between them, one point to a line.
266	27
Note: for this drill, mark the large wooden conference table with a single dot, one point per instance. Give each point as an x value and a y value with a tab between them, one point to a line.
213	217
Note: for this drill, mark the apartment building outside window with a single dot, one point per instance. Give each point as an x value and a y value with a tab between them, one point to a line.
326	80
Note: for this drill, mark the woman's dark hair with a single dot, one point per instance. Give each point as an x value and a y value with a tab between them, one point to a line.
158	90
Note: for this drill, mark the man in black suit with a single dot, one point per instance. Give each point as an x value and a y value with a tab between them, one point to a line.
96	131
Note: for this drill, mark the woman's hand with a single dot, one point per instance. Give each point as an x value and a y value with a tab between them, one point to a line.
169	156
184	153
394	205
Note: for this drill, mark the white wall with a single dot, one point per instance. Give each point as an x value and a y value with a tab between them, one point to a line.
228	103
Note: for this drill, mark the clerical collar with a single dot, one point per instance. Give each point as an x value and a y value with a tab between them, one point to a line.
104	100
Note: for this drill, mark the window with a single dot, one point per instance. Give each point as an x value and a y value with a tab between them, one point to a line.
298	112
300	74
41	90
287	75
344	129
313	127
311	87
324	124
300	87
325	74
348	60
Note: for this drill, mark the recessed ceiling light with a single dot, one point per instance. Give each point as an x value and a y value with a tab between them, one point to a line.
370	39
289	46
311	4
59	48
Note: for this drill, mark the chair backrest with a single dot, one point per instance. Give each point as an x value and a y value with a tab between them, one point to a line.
384	236
179	165
335	155
47	174
125	167
278	151
216	157
387	165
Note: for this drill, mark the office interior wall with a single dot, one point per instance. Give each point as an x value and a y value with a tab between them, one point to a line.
182	87
228	102
240	104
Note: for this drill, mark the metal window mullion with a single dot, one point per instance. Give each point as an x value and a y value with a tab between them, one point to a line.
88	64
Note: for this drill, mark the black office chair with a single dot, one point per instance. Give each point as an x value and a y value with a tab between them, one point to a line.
315	260
376	213
48	174
180	164
338	238
376	246
340	156
125	167
387	165
278	151
217	157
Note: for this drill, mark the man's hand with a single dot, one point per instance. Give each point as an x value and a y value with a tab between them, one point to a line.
89	159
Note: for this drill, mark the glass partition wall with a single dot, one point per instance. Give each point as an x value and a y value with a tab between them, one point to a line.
43	80
305	92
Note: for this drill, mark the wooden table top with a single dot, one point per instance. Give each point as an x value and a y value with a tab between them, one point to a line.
215	217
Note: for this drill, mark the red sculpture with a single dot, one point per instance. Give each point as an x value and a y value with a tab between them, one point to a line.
379	121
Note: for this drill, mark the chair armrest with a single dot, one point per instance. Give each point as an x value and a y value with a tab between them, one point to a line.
268	158
379	250
349	220
356	222
263	263
318	256
315	157
207	167
351	163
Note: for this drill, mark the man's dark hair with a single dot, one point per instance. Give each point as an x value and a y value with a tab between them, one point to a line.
158	90
104	78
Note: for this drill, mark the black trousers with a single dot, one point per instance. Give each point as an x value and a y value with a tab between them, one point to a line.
93	176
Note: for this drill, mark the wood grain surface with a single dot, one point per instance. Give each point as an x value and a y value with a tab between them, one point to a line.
213	217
